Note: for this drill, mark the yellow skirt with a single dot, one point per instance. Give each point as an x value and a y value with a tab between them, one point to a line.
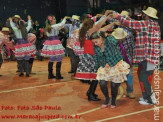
116	74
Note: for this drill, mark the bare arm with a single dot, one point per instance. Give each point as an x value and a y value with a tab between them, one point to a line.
13	26
98	26
29	23
105	28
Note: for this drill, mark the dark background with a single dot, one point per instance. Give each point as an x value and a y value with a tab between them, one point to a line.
39	9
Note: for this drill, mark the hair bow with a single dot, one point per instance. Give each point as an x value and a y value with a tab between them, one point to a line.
50	18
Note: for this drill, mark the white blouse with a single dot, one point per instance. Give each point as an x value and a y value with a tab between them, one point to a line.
55	27
17	31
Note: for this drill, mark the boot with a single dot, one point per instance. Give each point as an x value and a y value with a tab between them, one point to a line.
50	70
17	68
88	92
20	65
58	71
27	68
92	88
30	65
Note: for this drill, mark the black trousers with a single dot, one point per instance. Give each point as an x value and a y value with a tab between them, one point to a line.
74	59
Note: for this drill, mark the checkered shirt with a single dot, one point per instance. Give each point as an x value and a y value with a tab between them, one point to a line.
129	44
147	39
111	54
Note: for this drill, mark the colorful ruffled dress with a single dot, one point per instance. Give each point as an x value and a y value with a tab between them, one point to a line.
23	47
53	46
86	68
117	69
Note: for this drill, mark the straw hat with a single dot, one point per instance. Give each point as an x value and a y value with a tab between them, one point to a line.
119	33
152	12
17	16
5	29
125	13
75	17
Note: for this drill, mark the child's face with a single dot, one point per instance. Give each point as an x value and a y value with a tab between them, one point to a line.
16	19
98	41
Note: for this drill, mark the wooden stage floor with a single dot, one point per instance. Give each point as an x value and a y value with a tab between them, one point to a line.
36	98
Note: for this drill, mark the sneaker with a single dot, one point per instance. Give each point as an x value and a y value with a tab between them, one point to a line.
153	98
144	102
131	96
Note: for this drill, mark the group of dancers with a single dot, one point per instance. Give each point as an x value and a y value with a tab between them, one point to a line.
99	52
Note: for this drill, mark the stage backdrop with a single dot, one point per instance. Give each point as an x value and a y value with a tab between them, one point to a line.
38	9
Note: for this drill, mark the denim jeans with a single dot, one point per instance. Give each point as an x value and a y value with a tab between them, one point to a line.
129	82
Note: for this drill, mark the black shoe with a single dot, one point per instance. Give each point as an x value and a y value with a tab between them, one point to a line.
0	75
21	74
27	75
59	77
51	76
71	72
93	98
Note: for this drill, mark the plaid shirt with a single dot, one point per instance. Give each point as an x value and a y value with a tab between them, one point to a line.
111	54
147	39
129	44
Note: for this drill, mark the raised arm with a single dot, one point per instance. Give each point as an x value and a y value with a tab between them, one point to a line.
105	28
98	26
60	24
29	23
131	23
12	24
